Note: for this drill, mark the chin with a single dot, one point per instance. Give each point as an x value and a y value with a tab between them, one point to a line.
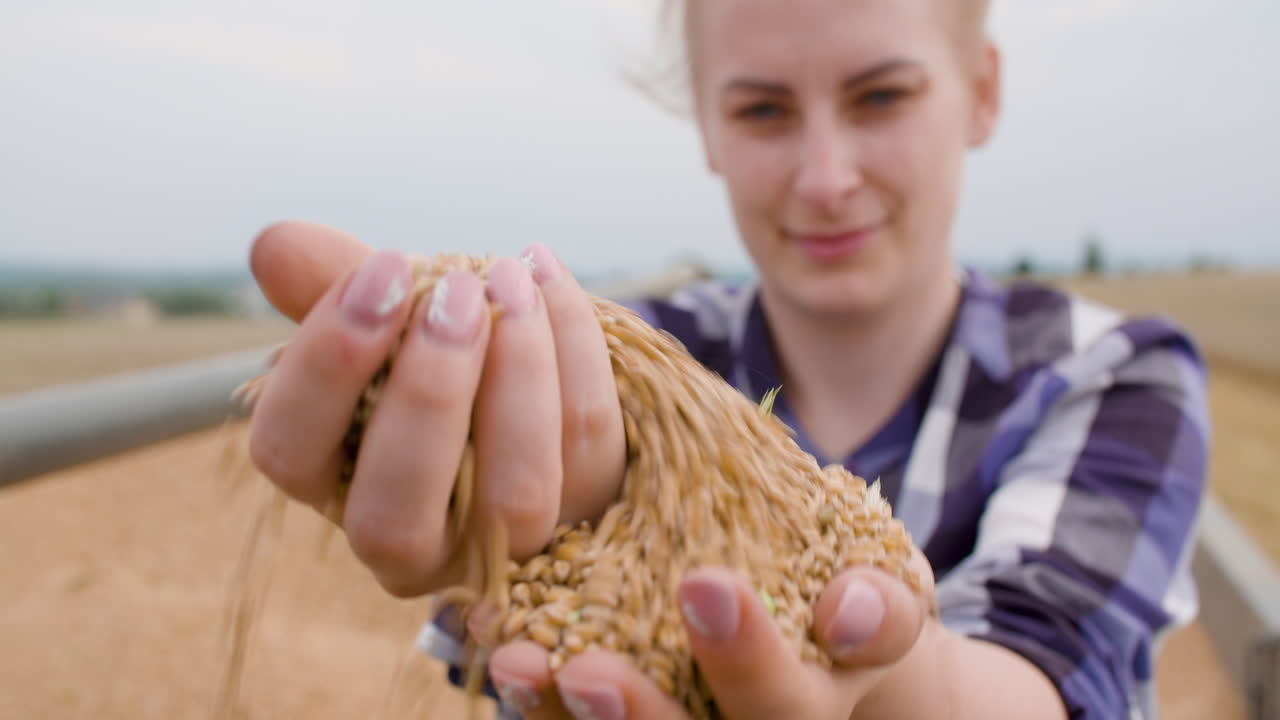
837	294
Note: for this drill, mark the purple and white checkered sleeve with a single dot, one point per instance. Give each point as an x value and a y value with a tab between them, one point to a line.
444	638
1082	557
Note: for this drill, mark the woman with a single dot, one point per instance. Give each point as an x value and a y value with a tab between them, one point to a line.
1047	455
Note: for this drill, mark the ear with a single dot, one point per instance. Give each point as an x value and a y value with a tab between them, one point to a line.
986	95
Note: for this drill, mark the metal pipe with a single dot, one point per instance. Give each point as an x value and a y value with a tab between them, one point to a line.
1240	607
47	430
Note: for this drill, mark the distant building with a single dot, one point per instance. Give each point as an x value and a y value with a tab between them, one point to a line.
135	312
118	305
127	308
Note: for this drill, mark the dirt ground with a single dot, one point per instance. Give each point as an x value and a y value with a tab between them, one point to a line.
116	577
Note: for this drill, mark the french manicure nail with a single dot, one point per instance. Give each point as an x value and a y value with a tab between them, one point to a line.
378	288
711	607
598	702
511	286
516	692
455	308
858	618
542	263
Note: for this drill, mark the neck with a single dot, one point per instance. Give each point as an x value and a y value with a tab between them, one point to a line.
845	377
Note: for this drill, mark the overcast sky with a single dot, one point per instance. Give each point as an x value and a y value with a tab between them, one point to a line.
161	133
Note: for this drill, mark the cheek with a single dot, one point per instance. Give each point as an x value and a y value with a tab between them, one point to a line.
755	172
915	164
894	170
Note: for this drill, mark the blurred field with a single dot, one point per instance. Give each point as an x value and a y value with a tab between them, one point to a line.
39	354
116	576
1233	315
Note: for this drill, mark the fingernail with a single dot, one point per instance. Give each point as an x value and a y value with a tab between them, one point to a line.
516	692
711	607
599	702
456	308
511	286
858	618
378	288
542	263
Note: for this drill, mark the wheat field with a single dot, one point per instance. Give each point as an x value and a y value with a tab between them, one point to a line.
116	575
40	354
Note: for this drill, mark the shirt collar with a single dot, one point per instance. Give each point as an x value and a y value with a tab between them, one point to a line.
980	327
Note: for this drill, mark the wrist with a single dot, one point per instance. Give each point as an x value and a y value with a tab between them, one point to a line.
949	675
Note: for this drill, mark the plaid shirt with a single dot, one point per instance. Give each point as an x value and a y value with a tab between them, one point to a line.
1050	465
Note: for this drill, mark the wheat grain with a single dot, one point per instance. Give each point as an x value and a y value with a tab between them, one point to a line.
711	479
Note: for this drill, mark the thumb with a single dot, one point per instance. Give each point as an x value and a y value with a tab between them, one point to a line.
295	263
751	670
867	618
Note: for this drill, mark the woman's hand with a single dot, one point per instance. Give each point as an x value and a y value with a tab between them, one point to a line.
866	620
533	389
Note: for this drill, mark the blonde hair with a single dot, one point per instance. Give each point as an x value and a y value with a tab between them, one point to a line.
669	81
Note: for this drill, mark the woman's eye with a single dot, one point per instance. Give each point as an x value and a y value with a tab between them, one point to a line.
760	112
882	98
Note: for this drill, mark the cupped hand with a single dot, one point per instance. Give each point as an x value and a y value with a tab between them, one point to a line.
867	621
533	390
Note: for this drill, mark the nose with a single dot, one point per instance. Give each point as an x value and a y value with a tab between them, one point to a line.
827	171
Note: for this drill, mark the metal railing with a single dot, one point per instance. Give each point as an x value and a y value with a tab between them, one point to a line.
1240	608
47	430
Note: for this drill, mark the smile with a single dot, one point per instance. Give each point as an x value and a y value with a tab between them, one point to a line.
827	247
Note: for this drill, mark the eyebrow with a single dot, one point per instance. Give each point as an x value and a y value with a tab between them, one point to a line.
772	88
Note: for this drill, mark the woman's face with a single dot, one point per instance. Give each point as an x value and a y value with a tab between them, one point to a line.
840	128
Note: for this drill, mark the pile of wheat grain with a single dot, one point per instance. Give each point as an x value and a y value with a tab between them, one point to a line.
711	479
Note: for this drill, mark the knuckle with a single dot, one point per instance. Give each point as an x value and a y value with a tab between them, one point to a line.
529	506
527	498
277	464
343	356
400	554
431	391
589	423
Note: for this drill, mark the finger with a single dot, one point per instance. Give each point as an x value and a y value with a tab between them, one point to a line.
599	685
867	618
521	673
397	507
593	444
594	685
517	414
310	395
750	668
296	262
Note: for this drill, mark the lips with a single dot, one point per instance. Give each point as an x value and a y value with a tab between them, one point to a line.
827	247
